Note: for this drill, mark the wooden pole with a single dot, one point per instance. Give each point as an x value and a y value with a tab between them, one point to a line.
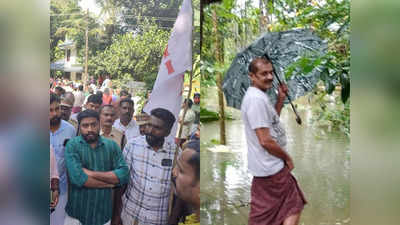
85	77
171	197
220	60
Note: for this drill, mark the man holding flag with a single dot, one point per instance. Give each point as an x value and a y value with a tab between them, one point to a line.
150	157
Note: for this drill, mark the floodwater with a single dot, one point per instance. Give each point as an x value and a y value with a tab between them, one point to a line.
322	168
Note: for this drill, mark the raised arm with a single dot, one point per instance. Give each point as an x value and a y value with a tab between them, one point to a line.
282	90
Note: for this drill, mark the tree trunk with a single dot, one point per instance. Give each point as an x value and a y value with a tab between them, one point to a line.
219	53
85	77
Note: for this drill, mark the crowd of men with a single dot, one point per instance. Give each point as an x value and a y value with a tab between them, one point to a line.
111	167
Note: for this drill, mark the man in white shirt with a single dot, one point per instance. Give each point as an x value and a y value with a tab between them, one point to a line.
126	124
190	117
106	83
79	99
275	196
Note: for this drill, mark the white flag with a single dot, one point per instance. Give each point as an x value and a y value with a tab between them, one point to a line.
177	58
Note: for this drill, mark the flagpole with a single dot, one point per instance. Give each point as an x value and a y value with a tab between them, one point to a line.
171	196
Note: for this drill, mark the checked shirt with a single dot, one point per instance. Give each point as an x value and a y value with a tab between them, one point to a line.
146	198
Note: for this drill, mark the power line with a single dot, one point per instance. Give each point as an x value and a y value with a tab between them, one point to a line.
171	19
69	14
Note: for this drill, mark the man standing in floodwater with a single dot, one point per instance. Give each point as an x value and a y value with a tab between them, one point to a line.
276	198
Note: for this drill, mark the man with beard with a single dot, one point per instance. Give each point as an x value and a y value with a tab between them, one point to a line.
60	132
107	113
141	120
276	198
95	165
186	179
149	159
126	124
67	101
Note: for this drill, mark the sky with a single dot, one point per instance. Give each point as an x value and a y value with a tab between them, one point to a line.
91	5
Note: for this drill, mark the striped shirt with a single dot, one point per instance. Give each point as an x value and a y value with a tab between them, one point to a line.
92	206
148	191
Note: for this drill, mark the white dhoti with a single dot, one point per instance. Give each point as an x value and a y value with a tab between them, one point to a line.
58	216
72	221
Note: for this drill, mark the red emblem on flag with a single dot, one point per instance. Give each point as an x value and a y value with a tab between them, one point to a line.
166	53
168	64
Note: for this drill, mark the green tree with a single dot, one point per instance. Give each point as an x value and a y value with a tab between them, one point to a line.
239	25
331	21
134	55
163	12
68	19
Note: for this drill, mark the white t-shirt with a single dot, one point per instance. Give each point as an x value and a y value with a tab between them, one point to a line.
131	131
189	118
79	98
258	112
106	84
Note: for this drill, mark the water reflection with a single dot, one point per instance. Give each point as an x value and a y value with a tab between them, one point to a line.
322	167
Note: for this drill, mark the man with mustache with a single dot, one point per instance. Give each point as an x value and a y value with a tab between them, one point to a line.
126	124
93	103
122	94
67	101
149	158
60	131
95	165
107	113
276	198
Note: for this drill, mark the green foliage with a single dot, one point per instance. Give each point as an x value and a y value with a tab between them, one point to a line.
134	12
330	20
143	98
237	27
58	53
207	115
334	115
134	56
215	142
67	19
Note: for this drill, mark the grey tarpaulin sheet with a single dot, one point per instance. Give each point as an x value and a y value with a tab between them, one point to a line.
283	49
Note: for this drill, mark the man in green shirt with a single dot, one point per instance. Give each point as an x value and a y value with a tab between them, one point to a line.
95	165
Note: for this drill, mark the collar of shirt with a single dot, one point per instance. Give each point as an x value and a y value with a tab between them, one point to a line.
163	149
168	146
118	124
110	135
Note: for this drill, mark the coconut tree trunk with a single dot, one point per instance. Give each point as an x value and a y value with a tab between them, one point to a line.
219	53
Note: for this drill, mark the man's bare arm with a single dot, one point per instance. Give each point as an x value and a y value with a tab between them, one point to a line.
272	147
117	208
